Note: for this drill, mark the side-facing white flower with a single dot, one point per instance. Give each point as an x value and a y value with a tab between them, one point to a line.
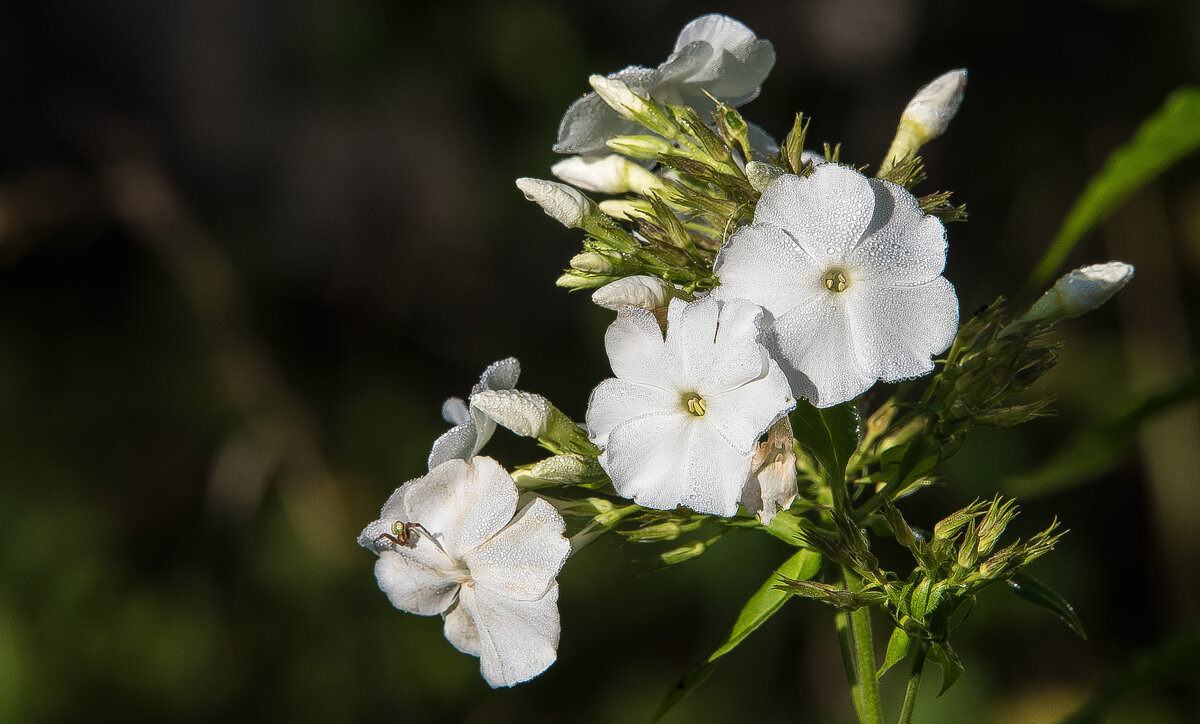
714	52
472	428
849	270
449	544
680	422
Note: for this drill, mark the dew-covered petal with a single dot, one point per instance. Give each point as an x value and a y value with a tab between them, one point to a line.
459	442
714	472
589	122
646	456
736	355
721	55
897	329
614	401
500	375
902	246
462	503
691	330
455	412
415	580
636	349
522	560
517	639
826	213
743	414
764	264
813	347
460	630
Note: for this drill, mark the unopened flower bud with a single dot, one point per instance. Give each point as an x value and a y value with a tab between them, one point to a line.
631	209
560	202
936	103
522	412
1081	291
926	116
611	174
633	107
591	262
684	553
642	291
646	148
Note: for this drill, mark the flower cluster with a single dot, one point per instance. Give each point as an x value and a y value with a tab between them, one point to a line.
761	288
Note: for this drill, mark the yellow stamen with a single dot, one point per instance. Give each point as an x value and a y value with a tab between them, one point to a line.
696	405
836	280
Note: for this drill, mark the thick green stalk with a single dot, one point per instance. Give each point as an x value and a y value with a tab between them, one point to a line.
913	686
858	655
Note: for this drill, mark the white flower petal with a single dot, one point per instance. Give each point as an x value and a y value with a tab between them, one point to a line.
517	639
525	413
522	560
721	55
462	503
460	630
416	581
589	122
615	401
812	345
460	442
736	356
743	414
764	264
895	330
826	213
636	349
646	458
455	412
500	375
903	246
715	473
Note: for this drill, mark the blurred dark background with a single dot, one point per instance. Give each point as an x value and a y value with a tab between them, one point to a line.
247	248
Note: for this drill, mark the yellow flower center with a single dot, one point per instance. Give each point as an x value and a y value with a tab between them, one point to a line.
695	404
836	280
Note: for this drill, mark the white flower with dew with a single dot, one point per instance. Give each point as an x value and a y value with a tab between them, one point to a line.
450	544
849	271
713	53
472	427
1080	291
681	420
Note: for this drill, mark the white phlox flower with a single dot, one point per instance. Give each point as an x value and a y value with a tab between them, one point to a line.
849	270
680	422
472	427
772	481
714	52
449	544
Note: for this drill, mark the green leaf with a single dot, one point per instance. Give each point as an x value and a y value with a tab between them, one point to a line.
952	668
1038	593
897	649
765	602
1164	138
831	434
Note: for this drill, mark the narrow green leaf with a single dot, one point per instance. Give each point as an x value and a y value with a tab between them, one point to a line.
952	667
1038	593
765	602
1167	136
830	433
897	649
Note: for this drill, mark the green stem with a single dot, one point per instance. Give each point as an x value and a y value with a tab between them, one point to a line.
858	655
913	686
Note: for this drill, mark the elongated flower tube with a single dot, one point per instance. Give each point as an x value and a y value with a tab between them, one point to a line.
681	420
849	269
713	53
452	543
